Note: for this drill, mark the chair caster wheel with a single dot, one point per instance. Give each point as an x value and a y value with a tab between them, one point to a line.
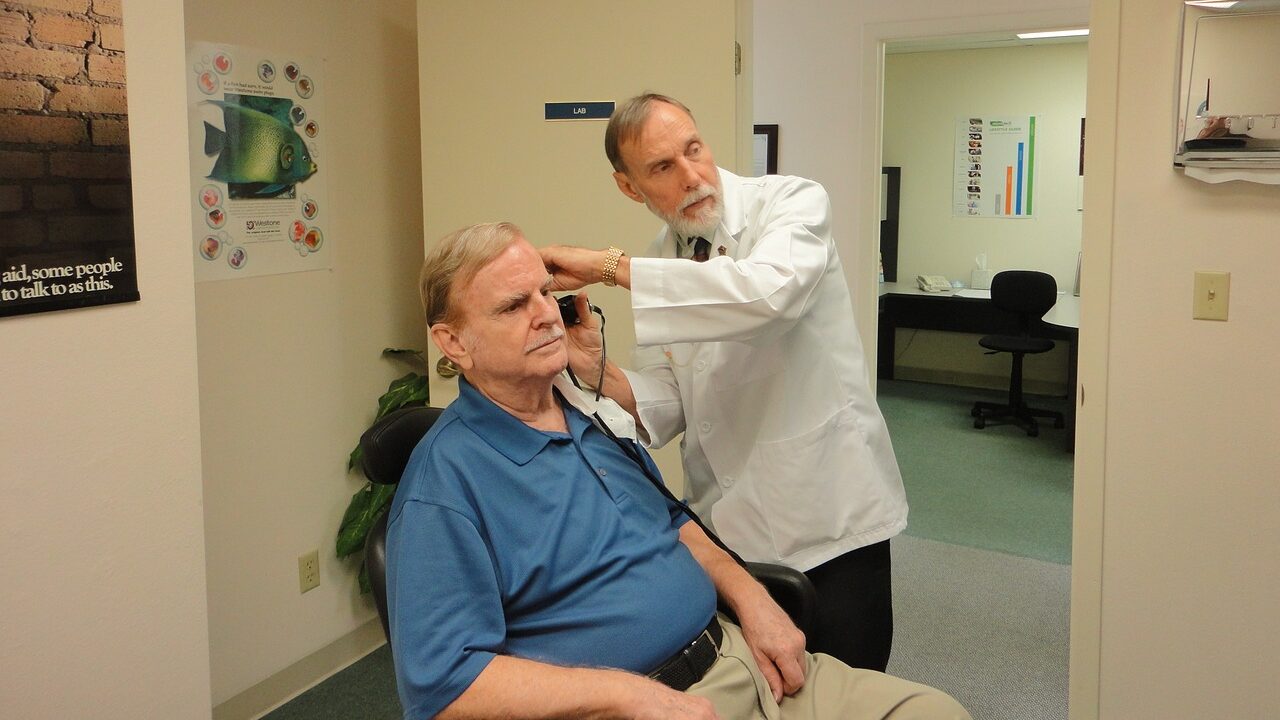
975	412
980	422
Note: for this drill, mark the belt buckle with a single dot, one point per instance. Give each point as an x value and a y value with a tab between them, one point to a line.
686	655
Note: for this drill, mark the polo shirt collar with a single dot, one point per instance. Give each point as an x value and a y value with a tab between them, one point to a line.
520	443
501	430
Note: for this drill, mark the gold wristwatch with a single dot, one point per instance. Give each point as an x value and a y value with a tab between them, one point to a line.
609	275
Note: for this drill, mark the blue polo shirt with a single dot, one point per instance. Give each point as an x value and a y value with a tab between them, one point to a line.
504	539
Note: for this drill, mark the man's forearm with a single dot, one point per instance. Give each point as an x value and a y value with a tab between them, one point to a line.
520	689
734	584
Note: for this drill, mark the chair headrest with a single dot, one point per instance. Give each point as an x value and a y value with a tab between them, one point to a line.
387	445
1025	292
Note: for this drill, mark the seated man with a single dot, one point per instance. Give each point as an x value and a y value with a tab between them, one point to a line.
535	572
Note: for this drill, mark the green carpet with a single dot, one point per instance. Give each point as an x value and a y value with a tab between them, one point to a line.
993	489
363	691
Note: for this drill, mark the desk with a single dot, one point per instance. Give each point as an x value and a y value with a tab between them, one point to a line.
905	305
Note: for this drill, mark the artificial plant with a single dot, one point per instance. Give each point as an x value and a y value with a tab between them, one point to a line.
371	500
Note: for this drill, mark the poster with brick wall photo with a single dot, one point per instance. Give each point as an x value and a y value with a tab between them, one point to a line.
66	212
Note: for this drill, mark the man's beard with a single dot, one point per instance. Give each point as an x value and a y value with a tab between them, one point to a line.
704	223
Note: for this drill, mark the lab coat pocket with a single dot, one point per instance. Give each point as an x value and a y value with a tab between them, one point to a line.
805	483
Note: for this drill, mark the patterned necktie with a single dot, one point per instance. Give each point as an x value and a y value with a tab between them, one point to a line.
701	249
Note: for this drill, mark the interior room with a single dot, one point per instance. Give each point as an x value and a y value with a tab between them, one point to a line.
172	459
1003	497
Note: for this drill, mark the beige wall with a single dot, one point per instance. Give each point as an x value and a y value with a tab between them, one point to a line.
1192	507
103	599
924	93
488	154
289	364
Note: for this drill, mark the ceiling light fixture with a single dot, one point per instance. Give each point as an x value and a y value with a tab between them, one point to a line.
1053	34
1221	4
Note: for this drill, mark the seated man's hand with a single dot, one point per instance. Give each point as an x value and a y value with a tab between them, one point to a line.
777	645
656	701
572	267
585	348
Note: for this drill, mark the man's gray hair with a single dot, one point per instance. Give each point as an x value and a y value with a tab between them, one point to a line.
455	260
625	122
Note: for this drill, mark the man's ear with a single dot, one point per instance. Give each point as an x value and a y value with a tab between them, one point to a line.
451	345
624	184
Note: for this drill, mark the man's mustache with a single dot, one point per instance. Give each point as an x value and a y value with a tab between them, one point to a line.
697	194
555	333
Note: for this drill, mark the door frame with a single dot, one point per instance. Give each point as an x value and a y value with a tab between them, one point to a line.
1088	502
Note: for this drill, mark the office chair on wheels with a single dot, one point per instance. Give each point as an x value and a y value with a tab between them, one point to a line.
386	448
1028	294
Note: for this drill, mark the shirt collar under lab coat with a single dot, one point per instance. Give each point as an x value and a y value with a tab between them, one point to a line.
732	222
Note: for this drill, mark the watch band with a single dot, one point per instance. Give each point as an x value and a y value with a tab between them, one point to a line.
609	274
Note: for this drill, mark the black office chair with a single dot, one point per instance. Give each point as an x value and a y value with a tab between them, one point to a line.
386	448
1028	294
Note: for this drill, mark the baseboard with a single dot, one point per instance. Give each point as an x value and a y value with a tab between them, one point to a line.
1030	386
303	675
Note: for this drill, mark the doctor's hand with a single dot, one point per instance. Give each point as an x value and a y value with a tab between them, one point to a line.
575	267
586	350
572	267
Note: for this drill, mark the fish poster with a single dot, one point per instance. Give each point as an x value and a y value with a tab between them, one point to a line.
995	167
258	181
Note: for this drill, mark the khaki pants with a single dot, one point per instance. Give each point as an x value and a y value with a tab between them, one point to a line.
832	691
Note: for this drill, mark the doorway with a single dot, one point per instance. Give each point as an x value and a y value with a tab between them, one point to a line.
983	571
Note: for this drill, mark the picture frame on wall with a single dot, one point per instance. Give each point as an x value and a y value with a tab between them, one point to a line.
765	150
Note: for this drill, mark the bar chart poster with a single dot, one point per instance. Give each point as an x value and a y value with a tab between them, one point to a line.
995	166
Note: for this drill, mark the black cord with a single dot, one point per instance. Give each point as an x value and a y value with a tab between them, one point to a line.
603	353
634	454
656	481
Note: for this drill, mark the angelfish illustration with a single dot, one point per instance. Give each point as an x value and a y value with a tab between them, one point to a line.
258	148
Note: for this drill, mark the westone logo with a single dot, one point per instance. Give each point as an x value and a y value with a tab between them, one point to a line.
262	225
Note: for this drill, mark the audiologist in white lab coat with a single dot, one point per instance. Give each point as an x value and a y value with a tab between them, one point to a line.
747	345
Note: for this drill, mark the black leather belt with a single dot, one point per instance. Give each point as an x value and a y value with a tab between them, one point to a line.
687	667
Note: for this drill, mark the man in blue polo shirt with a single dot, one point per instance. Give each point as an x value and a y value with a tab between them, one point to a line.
533	569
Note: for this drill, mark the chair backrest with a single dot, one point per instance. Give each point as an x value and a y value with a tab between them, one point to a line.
1029	294
385	449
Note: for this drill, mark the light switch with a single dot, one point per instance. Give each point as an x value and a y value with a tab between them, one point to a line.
1213	291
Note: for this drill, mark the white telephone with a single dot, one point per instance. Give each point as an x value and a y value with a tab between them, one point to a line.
933	283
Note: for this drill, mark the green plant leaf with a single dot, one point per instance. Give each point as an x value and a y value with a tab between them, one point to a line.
366	506
366	586
410	389
402	352
350	537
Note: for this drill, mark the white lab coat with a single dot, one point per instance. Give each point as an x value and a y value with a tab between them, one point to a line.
755	356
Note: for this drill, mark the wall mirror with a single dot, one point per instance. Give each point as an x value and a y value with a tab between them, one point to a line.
1228	112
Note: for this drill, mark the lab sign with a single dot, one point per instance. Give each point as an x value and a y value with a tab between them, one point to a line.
578	110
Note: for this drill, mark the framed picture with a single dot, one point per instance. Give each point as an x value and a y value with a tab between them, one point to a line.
765	150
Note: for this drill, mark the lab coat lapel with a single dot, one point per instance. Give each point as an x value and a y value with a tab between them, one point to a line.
734	220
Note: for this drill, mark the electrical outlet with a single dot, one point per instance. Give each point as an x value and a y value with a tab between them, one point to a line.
308	571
